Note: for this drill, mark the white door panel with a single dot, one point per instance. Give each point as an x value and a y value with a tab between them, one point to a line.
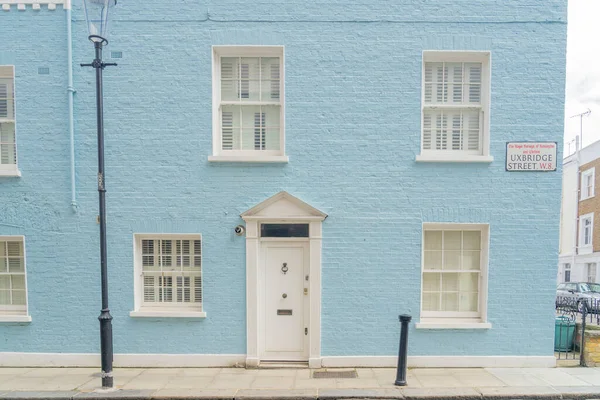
285	267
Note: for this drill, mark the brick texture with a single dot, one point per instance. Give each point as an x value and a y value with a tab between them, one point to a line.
353	76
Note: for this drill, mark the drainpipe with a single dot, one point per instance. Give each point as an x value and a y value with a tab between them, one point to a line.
71	93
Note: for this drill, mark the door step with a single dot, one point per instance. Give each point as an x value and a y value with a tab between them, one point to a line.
283	364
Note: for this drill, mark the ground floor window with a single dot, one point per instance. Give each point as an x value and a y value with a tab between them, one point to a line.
169	268
591	272
454	271
13	282
567	272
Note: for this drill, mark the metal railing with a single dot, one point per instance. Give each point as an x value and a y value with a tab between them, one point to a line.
572	316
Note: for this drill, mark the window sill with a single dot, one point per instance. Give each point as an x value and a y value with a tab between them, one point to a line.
436	324
250	159
167	314
454	158
15	318
585	250
586	198
10	172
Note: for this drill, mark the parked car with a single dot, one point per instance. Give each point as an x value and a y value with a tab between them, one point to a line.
573	294
594	287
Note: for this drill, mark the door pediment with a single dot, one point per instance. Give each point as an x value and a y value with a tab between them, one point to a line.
283	206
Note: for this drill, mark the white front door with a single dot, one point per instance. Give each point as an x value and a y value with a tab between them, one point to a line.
285	300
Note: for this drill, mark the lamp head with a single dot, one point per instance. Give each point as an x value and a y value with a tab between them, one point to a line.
96	15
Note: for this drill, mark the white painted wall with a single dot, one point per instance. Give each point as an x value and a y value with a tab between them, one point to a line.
568	206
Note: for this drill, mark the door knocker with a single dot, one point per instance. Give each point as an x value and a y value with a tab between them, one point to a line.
284	269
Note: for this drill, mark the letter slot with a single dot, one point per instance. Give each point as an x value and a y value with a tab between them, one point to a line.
284	312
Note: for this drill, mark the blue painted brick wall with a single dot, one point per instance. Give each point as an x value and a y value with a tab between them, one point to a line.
353	75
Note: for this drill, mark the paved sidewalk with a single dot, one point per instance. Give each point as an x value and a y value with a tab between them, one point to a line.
239	383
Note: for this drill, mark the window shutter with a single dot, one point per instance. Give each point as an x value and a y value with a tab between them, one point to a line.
4	100
244	81
171	270
149	289
427	131
259	131
198	289
275	81
474	82
228	80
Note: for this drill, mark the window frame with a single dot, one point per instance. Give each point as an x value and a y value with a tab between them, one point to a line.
589	268
17	313
483	57
268	156
591	172
453	319
11	169
567	269
586	247
163	310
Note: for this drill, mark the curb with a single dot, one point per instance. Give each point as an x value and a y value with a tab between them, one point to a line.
491	393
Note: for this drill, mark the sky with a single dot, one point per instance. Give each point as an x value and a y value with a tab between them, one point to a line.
583	72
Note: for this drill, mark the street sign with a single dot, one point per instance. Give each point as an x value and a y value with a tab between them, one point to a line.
530	156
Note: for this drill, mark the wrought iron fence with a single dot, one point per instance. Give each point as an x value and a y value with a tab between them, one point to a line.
572	316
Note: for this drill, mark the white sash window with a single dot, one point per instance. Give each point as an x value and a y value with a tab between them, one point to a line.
454	271
248	104
8	142
13	282
455	106
168	273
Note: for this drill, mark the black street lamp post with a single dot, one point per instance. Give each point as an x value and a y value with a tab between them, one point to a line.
96	13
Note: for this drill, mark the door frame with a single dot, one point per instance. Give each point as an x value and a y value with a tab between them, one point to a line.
270	243
282	208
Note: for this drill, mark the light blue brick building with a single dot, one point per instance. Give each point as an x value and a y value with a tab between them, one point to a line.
360	146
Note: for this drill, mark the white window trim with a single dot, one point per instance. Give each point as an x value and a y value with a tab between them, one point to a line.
460	56
12	169
141	310
449	320
586	248
589	172
259	156
16	314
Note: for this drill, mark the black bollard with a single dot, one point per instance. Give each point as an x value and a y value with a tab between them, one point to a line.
402	351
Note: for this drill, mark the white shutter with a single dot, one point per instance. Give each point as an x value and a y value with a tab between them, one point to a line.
452	107
259	131
229	79
427	131
171	270
4	99
474	82
8	150
256	126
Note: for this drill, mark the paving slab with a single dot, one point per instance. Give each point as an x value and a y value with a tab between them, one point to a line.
201	371
325	394
191	394
115	394
272	382
524	392
288	394
441	393
49	395
189	382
